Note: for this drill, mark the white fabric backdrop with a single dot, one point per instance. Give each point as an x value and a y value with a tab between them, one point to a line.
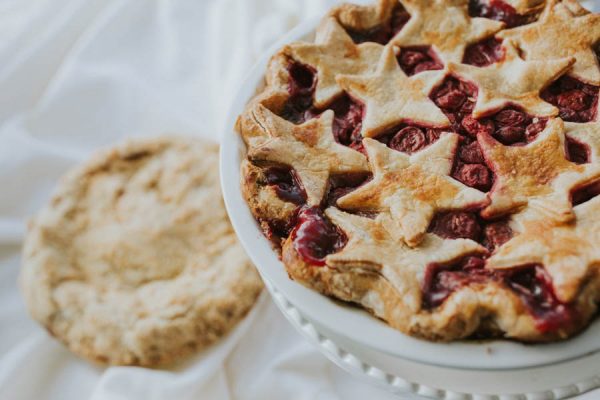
76	75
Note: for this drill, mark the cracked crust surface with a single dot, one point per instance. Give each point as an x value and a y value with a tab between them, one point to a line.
134	261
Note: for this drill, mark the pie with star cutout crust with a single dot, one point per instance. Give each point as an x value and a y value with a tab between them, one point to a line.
437	162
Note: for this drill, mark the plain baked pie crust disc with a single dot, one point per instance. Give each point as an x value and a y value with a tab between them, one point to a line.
134	261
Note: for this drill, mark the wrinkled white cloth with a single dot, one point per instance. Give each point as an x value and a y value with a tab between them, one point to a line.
76	75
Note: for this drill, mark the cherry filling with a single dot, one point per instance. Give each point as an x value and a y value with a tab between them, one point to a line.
276	229
456	98
347	122
469	225
299	107
576	101
315	237
486	52
341	185
384	32
531	283
534	286
499	11
440	281
286	184
413	60
301	87
470	168
409	138
585	193
577	152
513	126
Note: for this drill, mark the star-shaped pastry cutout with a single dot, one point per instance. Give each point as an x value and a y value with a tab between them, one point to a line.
568	251
537	174
560	33
513	81
444	25
587	134
372	247
309	148
391	97
412	187
334	53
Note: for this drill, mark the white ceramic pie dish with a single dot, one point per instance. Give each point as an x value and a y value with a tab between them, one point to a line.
352	323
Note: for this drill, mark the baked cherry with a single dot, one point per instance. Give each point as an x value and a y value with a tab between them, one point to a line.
413	60
510	134
301	87
576	101
315	237
409	138
456	98
496	234
486	52
286	184
456	225
499	11
534	286
471	153
477	176
475	127
534	128
510	126
382	33
347	122
577	152
441	280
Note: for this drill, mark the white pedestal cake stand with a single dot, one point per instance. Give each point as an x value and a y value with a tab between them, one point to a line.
551	382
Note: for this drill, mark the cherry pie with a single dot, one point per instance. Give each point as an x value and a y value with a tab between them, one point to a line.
438	163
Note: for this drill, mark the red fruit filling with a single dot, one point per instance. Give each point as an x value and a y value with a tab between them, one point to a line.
499	11
384	32
534	286
301	87
477	176
585	193
286	184
275	230
347	122
456	224
341	185
441	280
469	225
576	101
486	52
413	60
409	138
495	234
456	98
515	127
577	152
299	107
531	283
315	237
